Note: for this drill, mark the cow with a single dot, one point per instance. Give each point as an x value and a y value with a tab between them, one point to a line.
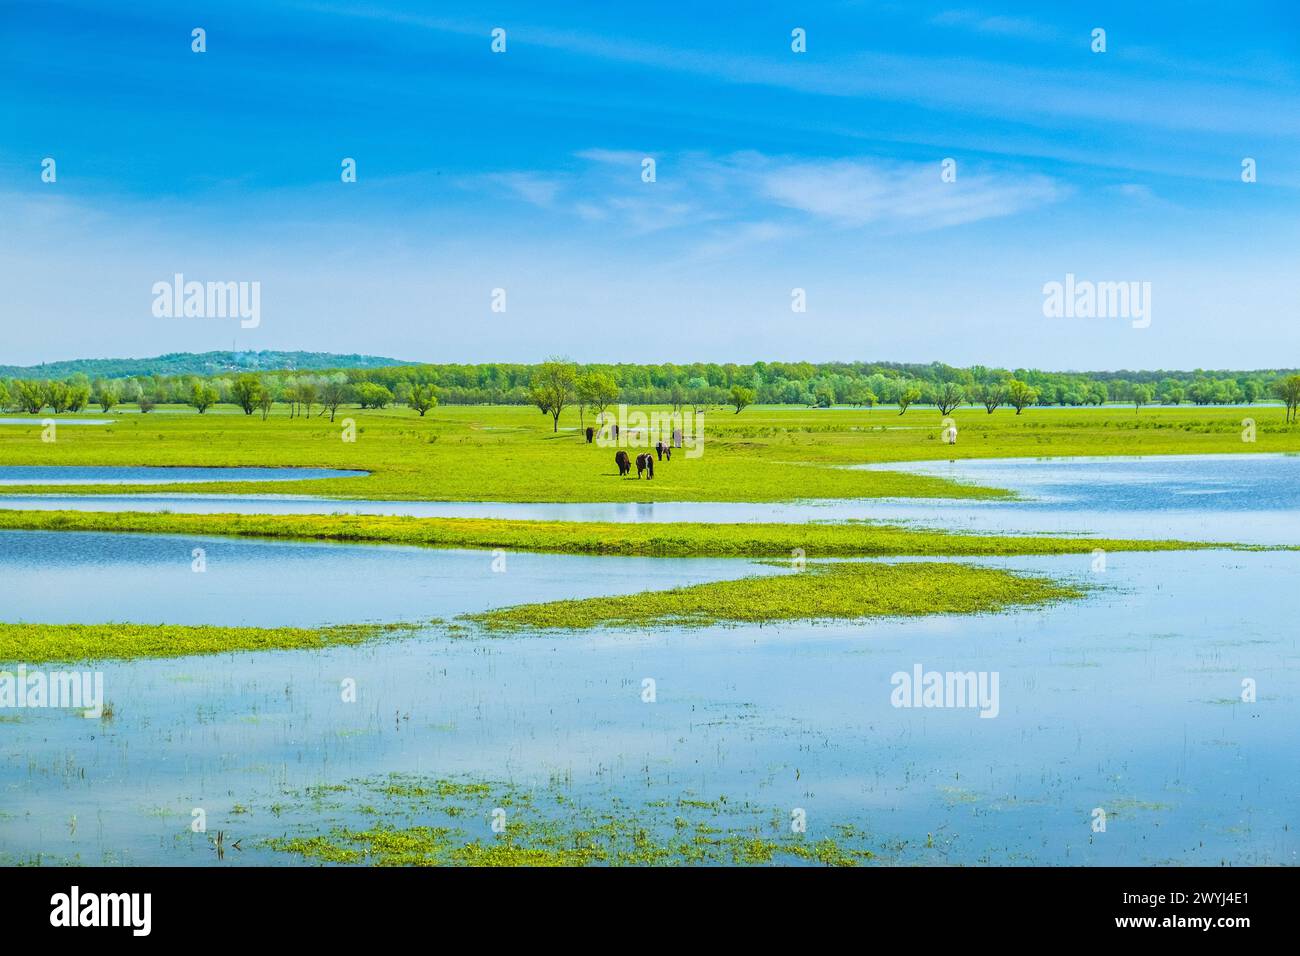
659	450
591	433
624	466
668	452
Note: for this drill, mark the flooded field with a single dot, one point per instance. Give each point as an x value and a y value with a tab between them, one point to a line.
1129	703
1253	499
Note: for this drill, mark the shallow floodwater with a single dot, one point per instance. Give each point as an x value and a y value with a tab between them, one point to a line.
1129	701
132	475
1248	499
88	577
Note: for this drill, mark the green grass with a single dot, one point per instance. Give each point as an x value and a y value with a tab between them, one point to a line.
508	453
685	539
48	643
839	591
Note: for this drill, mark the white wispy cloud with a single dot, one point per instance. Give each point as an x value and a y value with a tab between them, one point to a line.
737	199
1068	92
531	187
908	197
996	25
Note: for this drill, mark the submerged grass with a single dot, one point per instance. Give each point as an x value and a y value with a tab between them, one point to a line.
681	539
547	828
840	591
47	643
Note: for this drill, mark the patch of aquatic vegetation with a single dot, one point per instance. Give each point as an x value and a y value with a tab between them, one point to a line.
836	591
680	539
1134	805
44	643
438	822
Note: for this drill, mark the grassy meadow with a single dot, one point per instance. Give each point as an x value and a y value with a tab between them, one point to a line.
509	453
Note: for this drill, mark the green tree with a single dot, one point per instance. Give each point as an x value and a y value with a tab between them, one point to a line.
1021	394
906	396
741	397
30	395
1142	395
246	391
333	394
1288	389
78	396
265	397
948	396
203	396
422	398
598	390
307	393
992	395
554	384
107	394
56	396
370	395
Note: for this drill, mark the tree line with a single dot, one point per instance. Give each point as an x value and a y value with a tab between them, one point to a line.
558	384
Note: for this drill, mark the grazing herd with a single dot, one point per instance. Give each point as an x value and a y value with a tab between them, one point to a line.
645	463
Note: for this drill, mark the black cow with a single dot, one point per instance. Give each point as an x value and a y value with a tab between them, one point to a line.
659	450
645	463
624	465
591	433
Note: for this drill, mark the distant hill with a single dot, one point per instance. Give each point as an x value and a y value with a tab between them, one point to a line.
198	363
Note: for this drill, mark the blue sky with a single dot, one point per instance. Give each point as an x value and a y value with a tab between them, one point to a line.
775	170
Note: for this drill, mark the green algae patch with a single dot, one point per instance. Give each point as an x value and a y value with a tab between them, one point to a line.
834	591
679	539
44	643
428	822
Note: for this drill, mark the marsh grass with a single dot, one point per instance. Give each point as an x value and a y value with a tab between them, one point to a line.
48	643
678	539
547	828
837	591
